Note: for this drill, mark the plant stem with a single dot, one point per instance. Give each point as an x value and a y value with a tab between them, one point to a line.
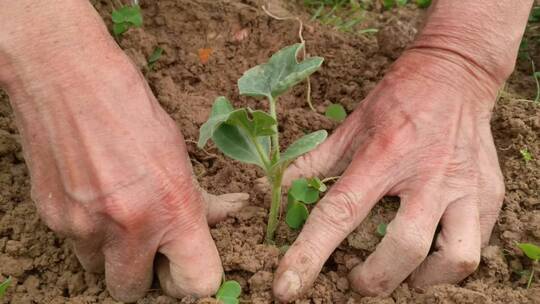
531	276
275	205
275	137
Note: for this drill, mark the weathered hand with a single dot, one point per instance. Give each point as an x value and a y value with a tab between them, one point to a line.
423	134
108	166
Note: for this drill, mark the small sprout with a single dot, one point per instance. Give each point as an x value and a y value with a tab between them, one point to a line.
4	286
126	17
381	229
533	253
336	112
535	14
526	154
154	57
402	2
228	292
423	3
388	4
302	192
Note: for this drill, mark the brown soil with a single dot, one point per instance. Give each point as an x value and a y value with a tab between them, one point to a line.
45	269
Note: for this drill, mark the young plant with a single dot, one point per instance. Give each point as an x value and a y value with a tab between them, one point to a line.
251	136
381	229
126	17
4	286
533	253
228	292
302	192
526	154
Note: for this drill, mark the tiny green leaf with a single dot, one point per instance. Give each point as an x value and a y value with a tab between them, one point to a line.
388	4
423	3
154	57
229	292
336	112
303	145
120	28
128	14
4	286
279	74
401	2
297	215
381	229
532	251
220	113
526	154
316	183
535	14
301	191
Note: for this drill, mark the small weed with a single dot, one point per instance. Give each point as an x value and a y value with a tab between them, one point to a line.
423	3
336	112
302	192
126	17
251	136
154	57
4	286
228	292
533	253
381	229
526	154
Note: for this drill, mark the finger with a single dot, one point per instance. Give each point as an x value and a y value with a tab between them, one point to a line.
220	206
404	247
191	263
335	216
458	245
129	267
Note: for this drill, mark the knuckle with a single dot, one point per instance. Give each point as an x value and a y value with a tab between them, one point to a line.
412	243
465	262
340	210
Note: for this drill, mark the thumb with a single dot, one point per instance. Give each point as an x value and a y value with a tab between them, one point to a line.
190	263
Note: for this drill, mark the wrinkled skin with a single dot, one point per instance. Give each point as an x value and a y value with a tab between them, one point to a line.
109	168
436	153
422	134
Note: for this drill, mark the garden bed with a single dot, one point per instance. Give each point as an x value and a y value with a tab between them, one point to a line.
240	35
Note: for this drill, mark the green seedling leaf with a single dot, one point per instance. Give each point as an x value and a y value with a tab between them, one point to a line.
235	143
224	113
4	286
126	17
336	112
154	57
303	145
381	229
280	73
526	154
229	292
128	14
401	2
531	251
297	215
388	4
302	192
316	183
120	28
423	3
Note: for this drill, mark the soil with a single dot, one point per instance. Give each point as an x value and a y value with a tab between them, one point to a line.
240	35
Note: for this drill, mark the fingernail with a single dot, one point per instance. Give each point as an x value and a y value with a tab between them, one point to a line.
287	286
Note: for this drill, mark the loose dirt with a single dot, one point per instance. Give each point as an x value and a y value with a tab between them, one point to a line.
240	35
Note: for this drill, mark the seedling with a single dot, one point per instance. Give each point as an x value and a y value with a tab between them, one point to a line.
336	112
526	154
251	136
381	229
423	3
4	286
303	192
126	17
533	253
154	57
228	292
